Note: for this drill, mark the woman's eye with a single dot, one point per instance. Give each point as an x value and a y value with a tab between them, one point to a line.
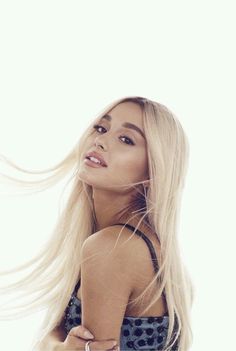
130	141
97	127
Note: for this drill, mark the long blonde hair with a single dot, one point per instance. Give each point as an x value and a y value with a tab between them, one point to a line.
58	263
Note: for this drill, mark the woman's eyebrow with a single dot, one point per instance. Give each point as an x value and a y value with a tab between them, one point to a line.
126	125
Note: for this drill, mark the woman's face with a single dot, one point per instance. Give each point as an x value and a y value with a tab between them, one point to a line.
123	149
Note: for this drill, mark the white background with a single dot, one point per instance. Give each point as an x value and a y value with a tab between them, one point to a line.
61	62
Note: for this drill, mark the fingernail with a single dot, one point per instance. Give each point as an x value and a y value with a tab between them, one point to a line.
88	335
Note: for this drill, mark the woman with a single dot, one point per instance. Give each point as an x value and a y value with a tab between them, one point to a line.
113	265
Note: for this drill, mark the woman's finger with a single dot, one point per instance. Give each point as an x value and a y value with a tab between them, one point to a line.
80	333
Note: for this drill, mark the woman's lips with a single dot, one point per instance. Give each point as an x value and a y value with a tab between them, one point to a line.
97	156
92	164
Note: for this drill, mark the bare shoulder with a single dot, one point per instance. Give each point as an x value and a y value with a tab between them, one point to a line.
118	245
116	239
108	261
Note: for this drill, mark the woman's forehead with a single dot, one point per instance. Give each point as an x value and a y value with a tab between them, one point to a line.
126	112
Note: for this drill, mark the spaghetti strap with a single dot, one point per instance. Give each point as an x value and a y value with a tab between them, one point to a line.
76	287
148	242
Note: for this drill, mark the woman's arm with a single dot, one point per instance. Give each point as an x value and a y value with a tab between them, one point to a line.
108	266
57	340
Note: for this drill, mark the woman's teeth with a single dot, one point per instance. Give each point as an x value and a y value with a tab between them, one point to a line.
94	159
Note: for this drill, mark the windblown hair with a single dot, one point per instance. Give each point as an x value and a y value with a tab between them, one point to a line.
58	263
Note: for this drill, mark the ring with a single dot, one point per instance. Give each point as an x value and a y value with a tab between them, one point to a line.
87	348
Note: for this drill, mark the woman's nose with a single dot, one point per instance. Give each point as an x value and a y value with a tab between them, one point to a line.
99	143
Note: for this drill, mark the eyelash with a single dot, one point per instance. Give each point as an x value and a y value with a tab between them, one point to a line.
96	126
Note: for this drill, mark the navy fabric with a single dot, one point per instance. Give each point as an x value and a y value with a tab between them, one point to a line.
137	333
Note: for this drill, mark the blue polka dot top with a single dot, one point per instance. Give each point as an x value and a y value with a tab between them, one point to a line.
137	333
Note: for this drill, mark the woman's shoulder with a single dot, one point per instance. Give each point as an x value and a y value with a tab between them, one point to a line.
113	251
123	251
124	243
113	236
118	243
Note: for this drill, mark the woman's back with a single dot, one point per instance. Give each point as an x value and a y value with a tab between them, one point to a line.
137	333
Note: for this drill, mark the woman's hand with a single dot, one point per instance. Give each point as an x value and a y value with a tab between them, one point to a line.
77	338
